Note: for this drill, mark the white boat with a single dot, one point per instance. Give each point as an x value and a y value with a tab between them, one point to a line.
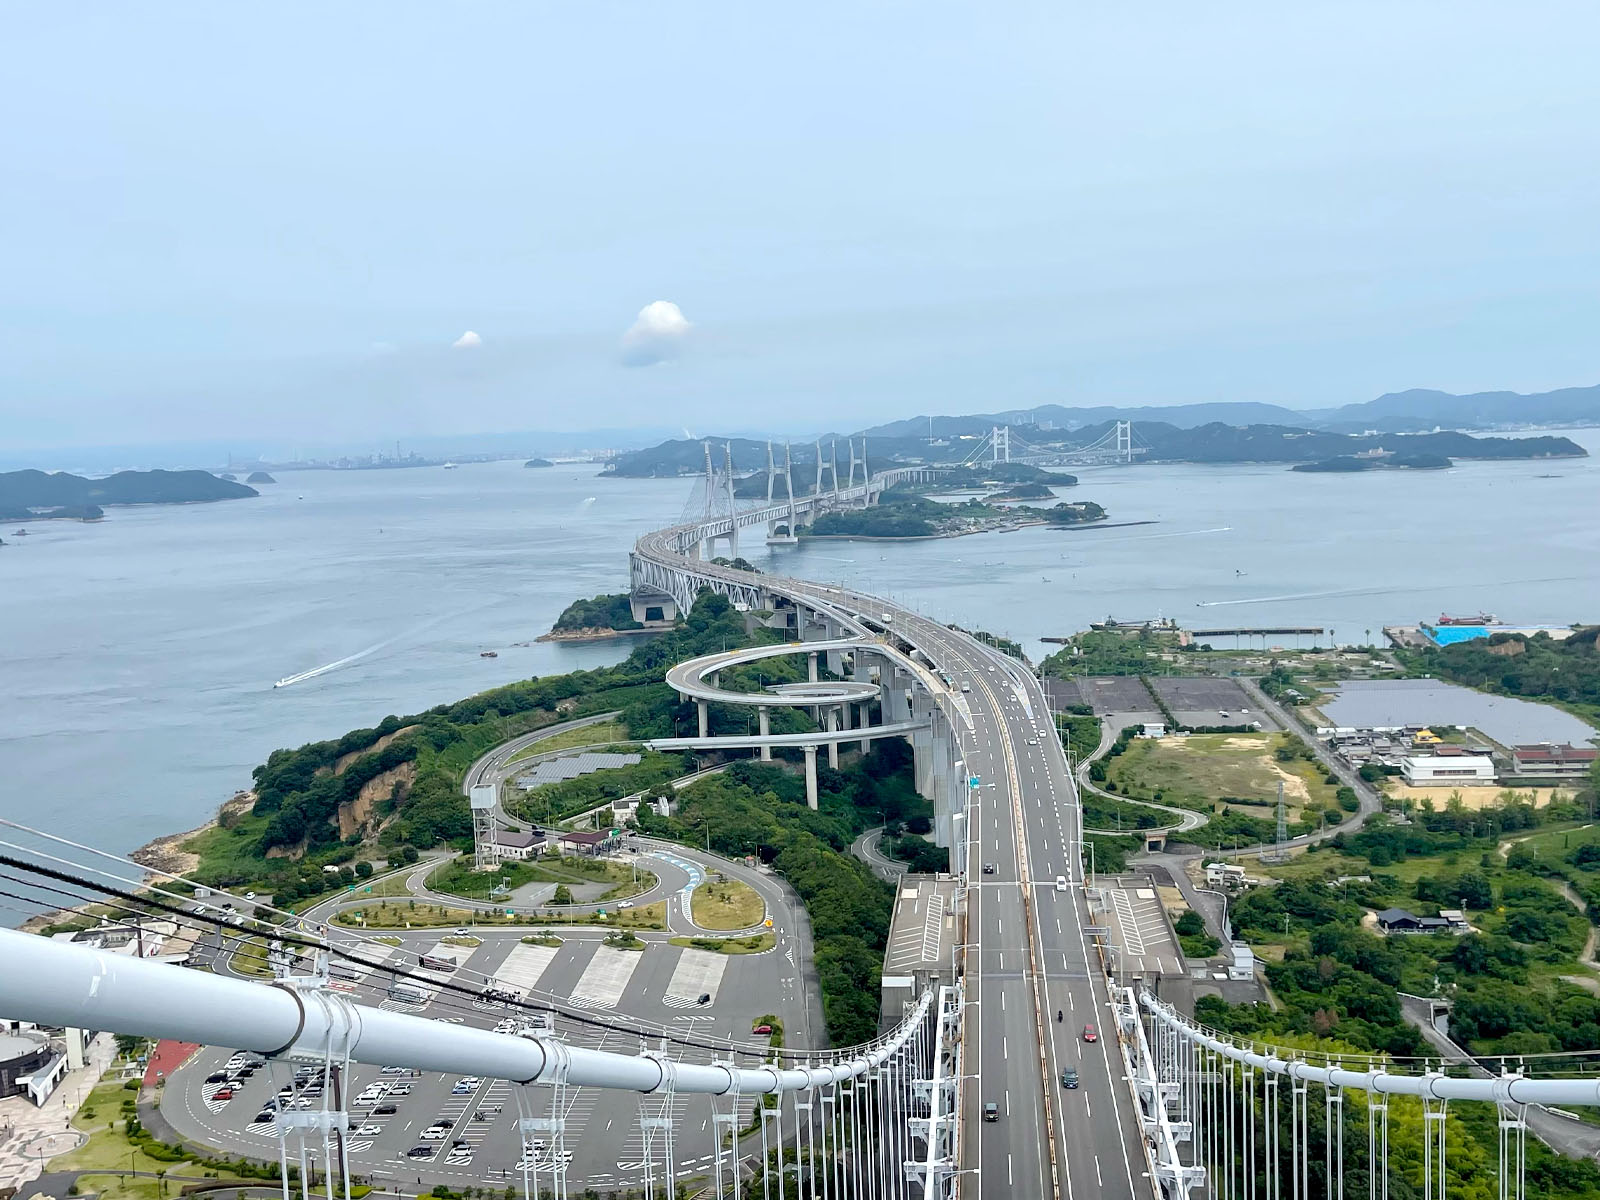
450	466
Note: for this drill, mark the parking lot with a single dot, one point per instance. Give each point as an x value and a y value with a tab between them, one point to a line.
1205	701
408	1126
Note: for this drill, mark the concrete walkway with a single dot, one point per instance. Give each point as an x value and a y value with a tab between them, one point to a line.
30	1132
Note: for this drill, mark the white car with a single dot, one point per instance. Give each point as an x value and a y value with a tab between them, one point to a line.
461	931
368	1130
436	1132
249	895
625	904
1061	883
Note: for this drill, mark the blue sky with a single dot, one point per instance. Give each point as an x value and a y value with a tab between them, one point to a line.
270	223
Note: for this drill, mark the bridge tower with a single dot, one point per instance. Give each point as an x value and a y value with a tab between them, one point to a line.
1000	444
1125	441
786	472
816	485
833	466
733	508
866	476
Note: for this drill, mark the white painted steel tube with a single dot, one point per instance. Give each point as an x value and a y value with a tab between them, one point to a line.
1508	1089
52	983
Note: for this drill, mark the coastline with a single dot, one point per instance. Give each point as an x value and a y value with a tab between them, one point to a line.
591	634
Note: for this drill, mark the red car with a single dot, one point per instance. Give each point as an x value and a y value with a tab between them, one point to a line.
223	1094
1089	1035
762	1029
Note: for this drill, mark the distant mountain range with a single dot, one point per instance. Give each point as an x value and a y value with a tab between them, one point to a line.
1414	411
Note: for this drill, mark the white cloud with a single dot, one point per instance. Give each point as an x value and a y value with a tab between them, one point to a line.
656	336
467	341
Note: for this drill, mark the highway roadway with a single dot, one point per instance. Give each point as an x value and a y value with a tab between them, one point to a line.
1029	958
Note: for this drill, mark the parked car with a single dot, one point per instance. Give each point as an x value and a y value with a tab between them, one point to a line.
762	1029
217	1077
705	998
386	1110
368	1130
265	1116
421	1151
437	1131
222	1094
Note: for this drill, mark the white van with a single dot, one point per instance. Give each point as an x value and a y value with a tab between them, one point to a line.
1061	883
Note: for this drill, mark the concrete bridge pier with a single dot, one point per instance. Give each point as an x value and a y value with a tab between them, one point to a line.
811	666
832	726
922	763
703	710
766	731
811	777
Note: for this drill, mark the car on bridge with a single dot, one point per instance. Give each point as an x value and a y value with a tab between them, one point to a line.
1069	1078
988	868
991	1111
1090	1034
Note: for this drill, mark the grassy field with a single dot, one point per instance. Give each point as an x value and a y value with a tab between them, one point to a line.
250	958
600	734
108	1148
727	905
1197	770
754	944
1475	798
457	878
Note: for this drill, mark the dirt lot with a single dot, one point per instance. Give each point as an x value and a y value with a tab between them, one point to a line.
1473	798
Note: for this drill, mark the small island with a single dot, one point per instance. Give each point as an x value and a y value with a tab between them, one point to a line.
594	620
1023	491
1348	464
538	462
40	495
260	477
228	475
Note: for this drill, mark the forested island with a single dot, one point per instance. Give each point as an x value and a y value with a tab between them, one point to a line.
40	495
259	477
1349	464
902	513
590	620
538	462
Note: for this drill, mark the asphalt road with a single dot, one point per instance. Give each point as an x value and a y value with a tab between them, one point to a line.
1029	960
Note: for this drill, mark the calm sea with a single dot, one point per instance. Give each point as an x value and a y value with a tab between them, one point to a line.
139	653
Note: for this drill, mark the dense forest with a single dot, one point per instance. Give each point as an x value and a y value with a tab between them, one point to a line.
602	612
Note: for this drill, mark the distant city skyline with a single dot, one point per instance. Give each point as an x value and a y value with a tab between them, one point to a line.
549	217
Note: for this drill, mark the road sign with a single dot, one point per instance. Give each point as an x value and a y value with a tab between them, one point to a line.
973	781
511	912
768	922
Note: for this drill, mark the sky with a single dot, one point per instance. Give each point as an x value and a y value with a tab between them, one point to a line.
291	224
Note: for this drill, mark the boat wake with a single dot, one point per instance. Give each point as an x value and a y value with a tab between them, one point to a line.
291	680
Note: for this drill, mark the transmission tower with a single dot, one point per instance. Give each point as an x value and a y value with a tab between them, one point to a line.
1280	851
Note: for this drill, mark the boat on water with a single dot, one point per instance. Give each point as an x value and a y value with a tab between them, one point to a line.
450	466
1480	619
488	654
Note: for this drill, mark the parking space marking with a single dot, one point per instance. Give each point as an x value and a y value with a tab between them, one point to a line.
523	966
606	977
698	973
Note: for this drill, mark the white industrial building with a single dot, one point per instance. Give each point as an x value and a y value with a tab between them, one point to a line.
1448	770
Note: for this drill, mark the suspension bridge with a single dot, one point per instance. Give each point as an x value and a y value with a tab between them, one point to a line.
1028	1065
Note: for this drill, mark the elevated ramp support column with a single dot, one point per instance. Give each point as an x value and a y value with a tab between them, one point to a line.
832	726
702	710
766	731
811	777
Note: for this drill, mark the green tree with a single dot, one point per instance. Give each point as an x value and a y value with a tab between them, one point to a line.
563	895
